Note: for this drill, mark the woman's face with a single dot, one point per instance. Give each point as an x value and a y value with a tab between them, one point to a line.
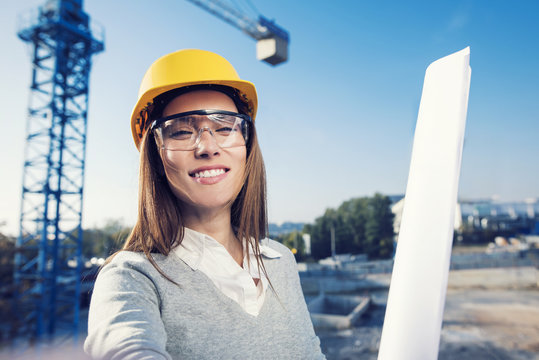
208	177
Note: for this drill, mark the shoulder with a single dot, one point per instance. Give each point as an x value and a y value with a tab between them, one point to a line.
130	273
126	258
129	260
135	265
124	317
139	260
277	246
123	268
285	263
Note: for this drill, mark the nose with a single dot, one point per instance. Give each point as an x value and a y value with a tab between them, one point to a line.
207	145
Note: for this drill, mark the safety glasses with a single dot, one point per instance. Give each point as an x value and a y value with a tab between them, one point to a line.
184	131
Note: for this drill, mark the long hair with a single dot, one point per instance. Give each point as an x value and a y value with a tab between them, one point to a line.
159	225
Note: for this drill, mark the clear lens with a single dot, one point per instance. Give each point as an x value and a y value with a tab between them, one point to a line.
185	132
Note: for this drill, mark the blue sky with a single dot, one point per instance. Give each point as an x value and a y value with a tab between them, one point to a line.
335	122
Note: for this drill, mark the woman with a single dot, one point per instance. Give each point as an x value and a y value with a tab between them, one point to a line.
193	281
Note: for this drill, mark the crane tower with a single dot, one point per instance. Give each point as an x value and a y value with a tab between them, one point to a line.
48	259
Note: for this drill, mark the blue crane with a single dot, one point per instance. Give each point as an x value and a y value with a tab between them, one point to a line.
48	258
272	40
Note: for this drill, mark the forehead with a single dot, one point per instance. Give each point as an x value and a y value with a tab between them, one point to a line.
200	100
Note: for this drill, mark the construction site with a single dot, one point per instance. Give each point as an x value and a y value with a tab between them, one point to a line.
492	299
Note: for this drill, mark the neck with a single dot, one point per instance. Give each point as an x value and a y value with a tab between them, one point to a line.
217	224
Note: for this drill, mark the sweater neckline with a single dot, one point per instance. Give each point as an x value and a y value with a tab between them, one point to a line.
233	305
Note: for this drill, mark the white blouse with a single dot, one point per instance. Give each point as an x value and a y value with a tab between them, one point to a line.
204	253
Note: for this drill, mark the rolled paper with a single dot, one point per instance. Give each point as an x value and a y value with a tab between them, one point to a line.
415	306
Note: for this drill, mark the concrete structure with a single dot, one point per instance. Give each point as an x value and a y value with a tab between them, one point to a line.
337	311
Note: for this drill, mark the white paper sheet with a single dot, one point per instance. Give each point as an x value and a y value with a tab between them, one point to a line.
413	318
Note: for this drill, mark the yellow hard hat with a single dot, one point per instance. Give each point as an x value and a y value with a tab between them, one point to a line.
185	68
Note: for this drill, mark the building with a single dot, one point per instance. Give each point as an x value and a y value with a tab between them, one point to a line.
480	221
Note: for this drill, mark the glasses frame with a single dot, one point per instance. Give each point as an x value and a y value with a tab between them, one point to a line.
248	121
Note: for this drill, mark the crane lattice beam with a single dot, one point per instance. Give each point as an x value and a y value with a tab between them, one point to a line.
272	40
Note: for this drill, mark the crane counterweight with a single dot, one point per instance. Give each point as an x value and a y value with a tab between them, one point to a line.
272	40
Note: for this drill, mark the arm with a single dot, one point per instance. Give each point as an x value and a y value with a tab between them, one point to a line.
124	320
299	307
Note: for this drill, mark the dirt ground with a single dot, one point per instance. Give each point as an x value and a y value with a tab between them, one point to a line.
489	314
492	323
494	312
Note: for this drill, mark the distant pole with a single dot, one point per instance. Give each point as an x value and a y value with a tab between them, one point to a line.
416	298
307	241
333	254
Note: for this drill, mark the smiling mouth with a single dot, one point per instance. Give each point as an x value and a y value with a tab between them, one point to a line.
209	173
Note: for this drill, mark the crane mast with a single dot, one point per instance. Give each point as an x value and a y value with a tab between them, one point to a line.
272	40
48	258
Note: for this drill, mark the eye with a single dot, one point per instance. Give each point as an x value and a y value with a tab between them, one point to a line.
180	134
226	124
225	130
178	131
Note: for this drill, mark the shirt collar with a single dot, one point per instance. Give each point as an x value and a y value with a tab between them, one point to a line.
195	244
266	250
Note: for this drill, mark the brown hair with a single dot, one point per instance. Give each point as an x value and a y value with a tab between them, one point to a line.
159	226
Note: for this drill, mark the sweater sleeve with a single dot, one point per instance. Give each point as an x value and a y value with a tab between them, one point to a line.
124	321
300	307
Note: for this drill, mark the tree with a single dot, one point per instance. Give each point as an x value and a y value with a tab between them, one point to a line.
362	225
9	321
7	256
294	241
354	214
104	241
321	234
379	228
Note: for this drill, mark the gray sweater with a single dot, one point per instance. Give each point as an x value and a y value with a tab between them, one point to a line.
136	313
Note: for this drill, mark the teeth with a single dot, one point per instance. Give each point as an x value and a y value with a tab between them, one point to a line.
209	173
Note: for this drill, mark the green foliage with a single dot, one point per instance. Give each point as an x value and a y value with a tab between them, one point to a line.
104	241
7	313
362	225
294	241
379	228
7	256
